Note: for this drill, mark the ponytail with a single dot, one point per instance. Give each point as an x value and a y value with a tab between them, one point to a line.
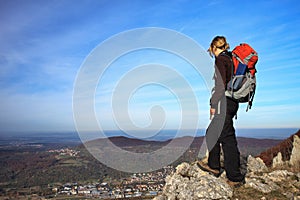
219	42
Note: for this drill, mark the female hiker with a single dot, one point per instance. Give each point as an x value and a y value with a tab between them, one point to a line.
221	133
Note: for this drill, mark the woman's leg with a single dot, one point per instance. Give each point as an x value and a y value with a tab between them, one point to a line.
229	144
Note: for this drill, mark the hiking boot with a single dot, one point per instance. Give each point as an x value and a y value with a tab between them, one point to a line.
234	184
205	167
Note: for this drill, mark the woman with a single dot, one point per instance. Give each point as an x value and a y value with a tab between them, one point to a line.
222	110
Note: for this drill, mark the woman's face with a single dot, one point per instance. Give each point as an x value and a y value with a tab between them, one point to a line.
214	51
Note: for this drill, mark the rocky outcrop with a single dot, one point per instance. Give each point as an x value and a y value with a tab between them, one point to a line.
279	162
274	171
189	182
285	153
260	178
295	156
256	165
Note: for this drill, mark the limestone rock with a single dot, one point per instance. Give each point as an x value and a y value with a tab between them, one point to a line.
259	185
273	181
278	176
256	165
295	155
294	159
191	183
183	169
277	161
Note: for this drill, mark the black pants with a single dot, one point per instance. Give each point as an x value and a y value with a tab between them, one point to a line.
221	131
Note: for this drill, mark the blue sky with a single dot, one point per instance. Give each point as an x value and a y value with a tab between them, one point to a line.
44	44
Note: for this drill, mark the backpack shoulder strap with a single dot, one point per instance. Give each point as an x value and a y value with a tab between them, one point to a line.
227	54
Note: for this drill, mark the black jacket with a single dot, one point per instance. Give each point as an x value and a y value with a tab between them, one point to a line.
223	74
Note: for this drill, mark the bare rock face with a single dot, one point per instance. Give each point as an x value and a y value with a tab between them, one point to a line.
273	181
191	183
256	165
283	154
275	170
277	161
294	159
295	156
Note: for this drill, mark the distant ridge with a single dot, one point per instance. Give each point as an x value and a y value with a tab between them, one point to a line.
122	141
285	147
247	146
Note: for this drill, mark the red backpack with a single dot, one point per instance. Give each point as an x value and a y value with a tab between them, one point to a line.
243	82
245	54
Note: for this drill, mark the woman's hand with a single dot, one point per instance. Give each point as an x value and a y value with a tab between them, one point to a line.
212	113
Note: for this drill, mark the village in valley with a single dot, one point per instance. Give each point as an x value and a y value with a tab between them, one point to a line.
137	185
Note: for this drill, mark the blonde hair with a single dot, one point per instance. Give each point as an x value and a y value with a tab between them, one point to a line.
219	42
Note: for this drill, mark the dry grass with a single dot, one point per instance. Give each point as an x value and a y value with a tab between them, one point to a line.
286	190
287	166
243	193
